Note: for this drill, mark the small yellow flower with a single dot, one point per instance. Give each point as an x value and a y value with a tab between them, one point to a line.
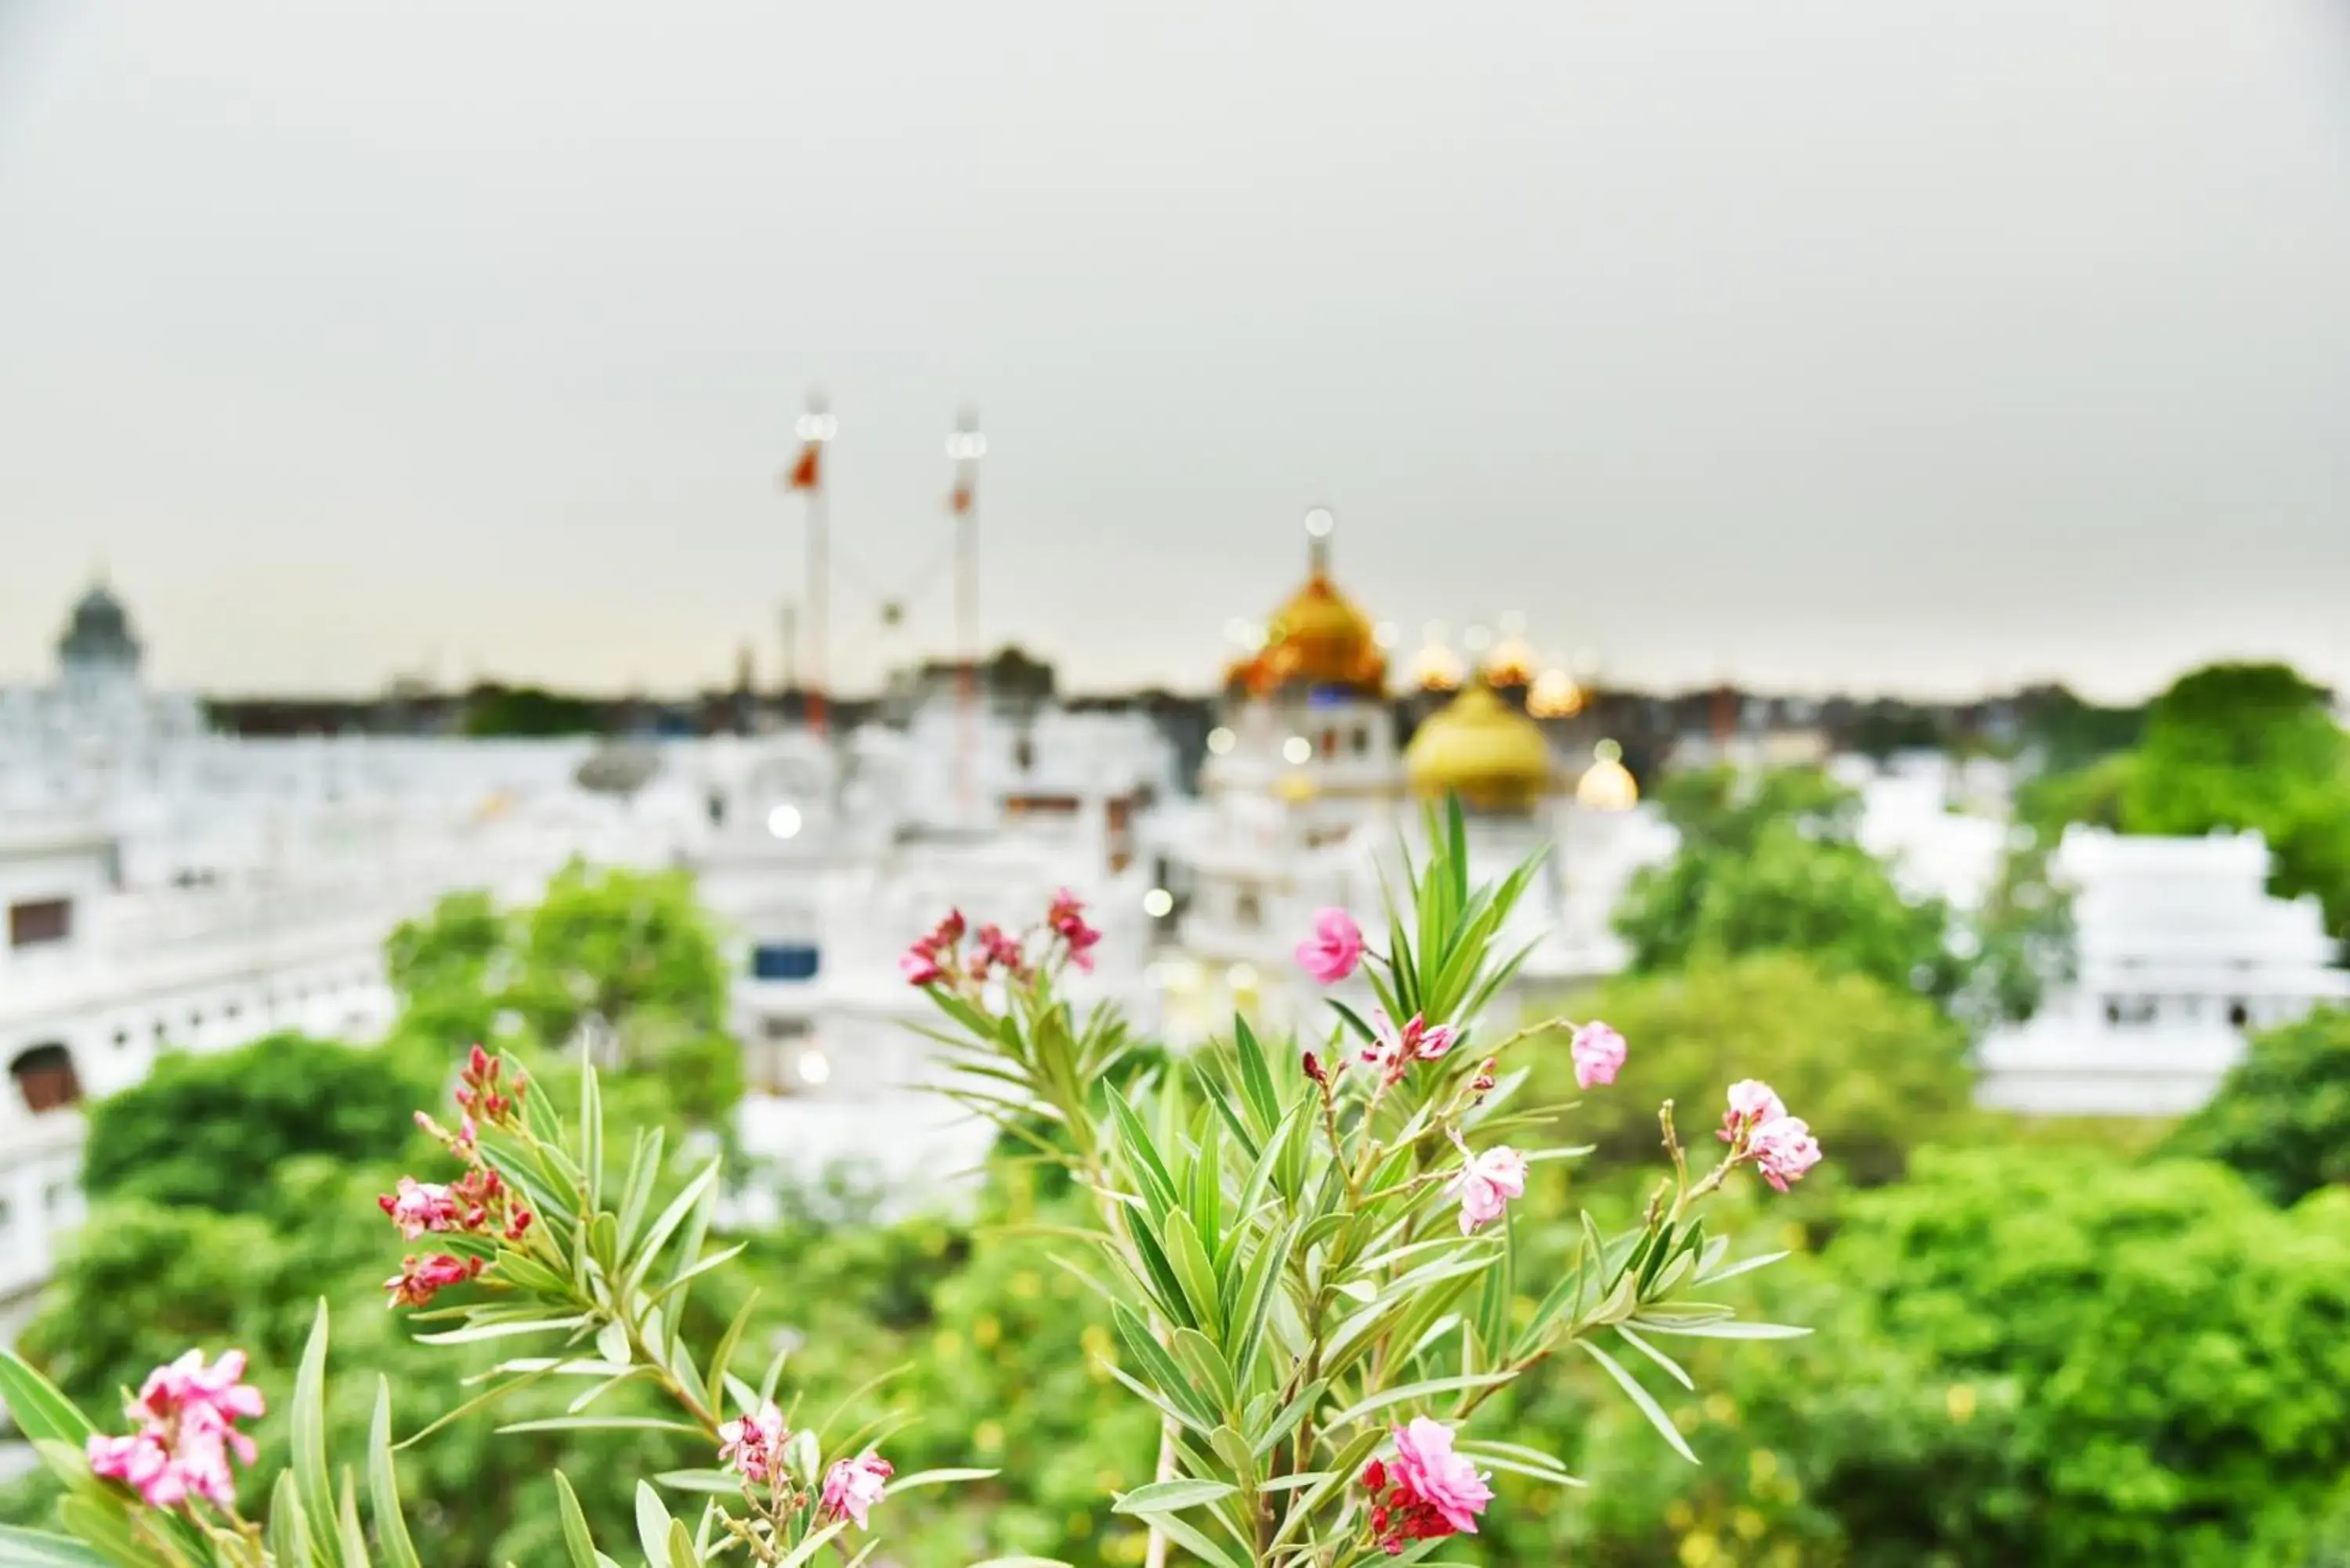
988	1437
1024	1285
1720	1407
986	1333
1762	1465
1962	1401
1748	1523
1697	1551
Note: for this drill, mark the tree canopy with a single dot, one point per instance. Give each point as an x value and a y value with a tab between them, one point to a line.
2282	1114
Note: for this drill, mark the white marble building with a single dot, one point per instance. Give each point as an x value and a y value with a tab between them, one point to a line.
2181	949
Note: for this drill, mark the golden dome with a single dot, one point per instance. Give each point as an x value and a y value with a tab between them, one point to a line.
1318	639
1436	668
1606	784
1483	750
1555	695
1511	662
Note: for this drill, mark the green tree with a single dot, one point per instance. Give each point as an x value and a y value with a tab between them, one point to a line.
529	710
2281	1116
2161	1352
1874	1069
2251	746
211	1131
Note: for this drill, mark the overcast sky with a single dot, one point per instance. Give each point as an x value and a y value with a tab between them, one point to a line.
1813	343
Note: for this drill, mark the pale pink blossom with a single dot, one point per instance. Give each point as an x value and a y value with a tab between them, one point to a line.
919	968
1485	1183
1751	1103
853	1486
417	1207
141	1462
753	1444
1426	1492
1598	1051
1331	953
1783	1148
1397	1049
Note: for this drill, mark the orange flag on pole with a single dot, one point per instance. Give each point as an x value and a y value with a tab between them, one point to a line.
805	475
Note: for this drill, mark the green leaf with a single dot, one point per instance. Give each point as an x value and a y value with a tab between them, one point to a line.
38	1548
1256	1076
1168	1496
1642	1398
383	1485
653	1524
806	1550
499	1329
1744	1265
671	1218
1192	1268
289	1532
39	1410
680	1547
576	1539
310	1433
1723	1329
107	1527
602	1423
591	1131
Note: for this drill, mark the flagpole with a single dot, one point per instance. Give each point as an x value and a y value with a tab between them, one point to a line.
967	446
814	428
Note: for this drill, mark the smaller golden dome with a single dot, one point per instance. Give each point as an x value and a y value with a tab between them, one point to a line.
1484	751
1511	662
1606	784
1436	668
1555	695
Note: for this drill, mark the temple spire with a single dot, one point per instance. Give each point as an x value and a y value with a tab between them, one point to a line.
1319	525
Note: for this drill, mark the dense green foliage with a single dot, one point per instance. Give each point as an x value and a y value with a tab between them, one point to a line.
2283	1115
529	710
1877	1070
211	1131
1771	862
2163	1357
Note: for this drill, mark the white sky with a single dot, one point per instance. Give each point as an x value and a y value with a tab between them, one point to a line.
1814	343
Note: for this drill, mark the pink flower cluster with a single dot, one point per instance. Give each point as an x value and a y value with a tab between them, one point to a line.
1485	1184
479	1093
940	957
1758	1127
1397	1049
187	1414
1331	953
1426	1492
1598	1051
753	1445
853	1486
1066	919
419	1279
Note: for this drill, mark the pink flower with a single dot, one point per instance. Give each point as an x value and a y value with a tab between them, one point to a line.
1416	1041
1067	919
187	1414
753	1444
1000	948
1434	1493
853	1486
1751	1103
919	968
1334	949
141	1462
417	1207
420	1278
1783	1148
934	957
1485	1183
1598	1051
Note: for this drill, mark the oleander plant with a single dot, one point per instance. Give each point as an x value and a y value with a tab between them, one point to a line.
1308	1254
